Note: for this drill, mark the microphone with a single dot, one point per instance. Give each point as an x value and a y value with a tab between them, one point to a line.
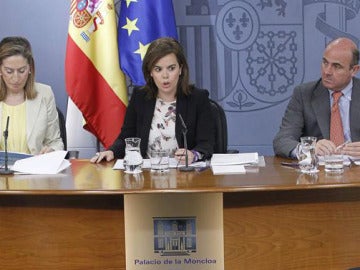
187	168
6	133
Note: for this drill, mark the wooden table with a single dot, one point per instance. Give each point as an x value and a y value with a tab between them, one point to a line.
274	217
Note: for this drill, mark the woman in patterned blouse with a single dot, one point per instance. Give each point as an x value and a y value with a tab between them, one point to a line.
154	110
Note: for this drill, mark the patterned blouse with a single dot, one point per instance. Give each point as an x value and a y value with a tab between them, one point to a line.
162	131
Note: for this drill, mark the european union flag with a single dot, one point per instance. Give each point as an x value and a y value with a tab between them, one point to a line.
140	22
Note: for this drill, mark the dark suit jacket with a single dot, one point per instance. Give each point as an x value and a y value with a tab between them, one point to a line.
308	114
195	110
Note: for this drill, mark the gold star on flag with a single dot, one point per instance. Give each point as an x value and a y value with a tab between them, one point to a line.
130	25
142	50
128	2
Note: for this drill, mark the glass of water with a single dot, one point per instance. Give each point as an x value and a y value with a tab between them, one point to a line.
159	160
334	163
308	161
133	160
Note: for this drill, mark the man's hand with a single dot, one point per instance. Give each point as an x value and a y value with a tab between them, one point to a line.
351	149
325	147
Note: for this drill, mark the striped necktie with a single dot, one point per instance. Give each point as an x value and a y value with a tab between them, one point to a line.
336	128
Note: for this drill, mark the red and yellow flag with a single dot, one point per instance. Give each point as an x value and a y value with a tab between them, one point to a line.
93	77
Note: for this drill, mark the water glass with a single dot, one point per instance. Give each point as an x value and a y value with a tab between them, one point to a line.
133	160
334	163
308	161
159	160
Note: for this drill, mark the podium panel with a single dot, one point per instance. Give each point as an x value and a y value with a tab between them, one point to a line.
174	231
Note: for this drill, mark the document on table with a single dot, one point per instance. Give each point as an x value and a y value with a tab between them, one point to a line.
228	169
49	163
233	163
234	159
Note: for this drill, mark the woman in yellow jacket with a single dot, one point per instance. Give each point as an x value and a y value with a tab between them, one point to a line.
30	106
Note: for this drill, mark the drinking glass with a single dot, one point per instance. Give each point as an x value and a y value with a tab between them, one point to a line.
133	160
159	160
308	161
334	163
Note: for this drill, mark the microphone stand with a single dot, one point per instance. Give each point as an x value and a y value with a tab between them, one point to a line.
187	168
6	170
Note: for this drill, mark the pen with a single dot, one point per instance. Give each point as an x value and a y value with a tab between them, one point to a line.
341	146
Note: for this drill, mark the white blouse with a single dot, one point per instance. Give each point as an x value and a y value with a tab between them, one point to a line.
162	131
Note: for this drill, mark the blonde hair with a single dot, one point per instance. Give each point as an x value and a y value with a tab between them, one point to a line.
11	46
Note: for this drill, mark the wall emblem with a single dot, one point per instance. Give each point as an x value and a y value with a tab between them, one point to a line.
251	54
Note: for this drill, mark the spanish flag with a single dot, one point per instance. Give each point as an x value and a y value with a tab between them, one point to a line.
93	77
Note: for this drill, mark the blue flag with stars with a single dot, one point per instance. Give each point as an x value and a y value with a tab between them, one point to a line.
141	22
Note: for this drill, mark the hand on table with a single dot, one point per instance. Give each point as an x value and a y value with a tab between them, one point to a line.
100	156
180	156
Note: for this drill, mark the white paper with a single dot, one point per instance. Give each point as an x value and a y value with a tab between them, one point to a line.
228	169
255	168
234	159
49	163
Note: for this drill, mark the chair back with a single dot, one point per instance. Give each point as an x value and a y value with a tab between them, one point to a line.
221	136
62	126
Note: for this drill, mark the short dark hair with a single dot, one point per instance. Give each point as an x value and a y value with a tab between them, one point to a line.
158	49
355	59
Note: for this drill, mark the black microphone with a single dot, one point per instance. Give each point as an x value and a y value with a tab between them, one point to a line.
187	168
6	133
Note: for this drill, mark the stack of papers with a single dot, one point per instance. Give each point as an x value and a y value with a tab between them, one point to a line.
49	163
232	163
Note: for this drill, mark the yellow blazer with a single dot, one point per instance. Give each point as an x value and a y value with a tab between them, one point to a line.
42	121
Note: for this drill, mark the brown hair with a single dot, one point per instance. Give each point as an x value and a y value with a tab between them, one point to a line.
349	44
11	46
158	49
355	59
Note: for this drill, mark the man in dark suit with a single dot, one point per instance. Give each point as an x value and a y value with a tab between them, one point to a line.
309	110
